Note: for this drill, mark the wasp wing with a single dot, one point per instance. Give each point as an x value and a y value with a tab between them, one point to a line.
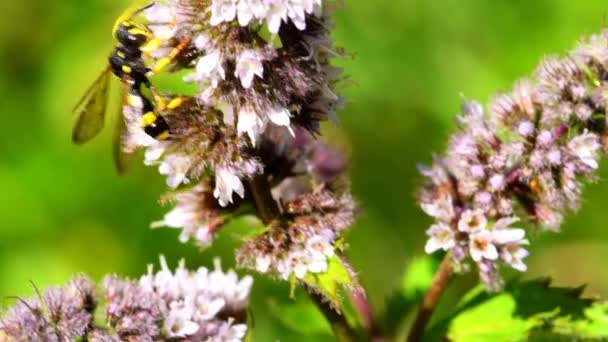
91	110
122	158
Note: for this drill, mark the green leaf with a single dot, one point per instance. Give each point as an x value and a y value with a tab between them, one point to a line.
418	277
414	285
270	38
329	284
492	321
300	316
593	326
514	314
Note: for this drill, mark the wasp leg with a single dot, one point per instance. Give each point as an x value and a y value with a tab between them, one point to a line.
158	100
163	62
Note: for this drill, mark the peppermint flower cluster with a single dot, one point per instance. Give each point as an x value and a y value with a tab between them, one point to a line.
264	83
526	159
163	306
305	241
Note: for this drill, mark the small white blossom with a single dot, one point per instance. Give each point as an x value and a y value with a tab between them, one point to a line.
248	65
229	332
441	209
250	122
262	263
513	254
525	128
179	321
503	234
209	68
202	42
441	236
247	10
497	182
585	147
280	117
164	18
472	220
175	166
226	183
275	13
481	246
222	10
319	246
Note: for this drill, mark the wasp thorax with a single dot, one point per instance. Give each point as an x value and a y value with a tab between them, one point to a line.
131	34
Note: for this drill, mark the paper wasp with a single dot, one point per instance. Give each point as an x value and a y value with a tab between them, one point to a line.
127	63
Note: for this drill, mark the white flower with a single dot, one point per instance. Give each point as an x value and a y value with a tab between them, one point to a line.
207	308
249	9
472	220
481	246
525	128
175	166
545	138
248	65
154	152
229	332
185	216
164	18
298	261
513	254
202	42
276	12
554	156
502	234
441	209
317	264
250	122
179	321
441	236
585	147
262	263
209	67
225	184
497	182
280	117
296	12
319	247
222	10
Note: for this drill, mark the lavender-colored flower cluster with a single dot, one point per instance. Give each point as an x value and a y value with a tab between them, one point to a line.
526	159
163	306
264	83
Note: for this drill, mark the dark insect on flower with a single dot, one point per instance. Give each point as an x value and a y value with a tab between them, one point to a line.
126	62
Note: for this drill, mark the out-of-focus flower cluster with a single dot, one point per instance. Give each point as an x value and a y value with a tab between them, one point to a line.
526	158
264	83
163	306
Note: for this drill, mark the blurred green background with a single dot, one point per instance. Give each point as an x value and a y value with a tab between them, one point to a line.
64	209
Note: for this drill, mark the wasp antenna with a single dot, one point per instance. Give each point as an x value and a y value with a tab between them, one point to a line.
150	5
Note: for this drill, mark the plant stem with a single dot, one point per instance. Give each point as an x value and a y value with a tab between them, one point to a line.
366	313
342	331
429	303
268	210
266	206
